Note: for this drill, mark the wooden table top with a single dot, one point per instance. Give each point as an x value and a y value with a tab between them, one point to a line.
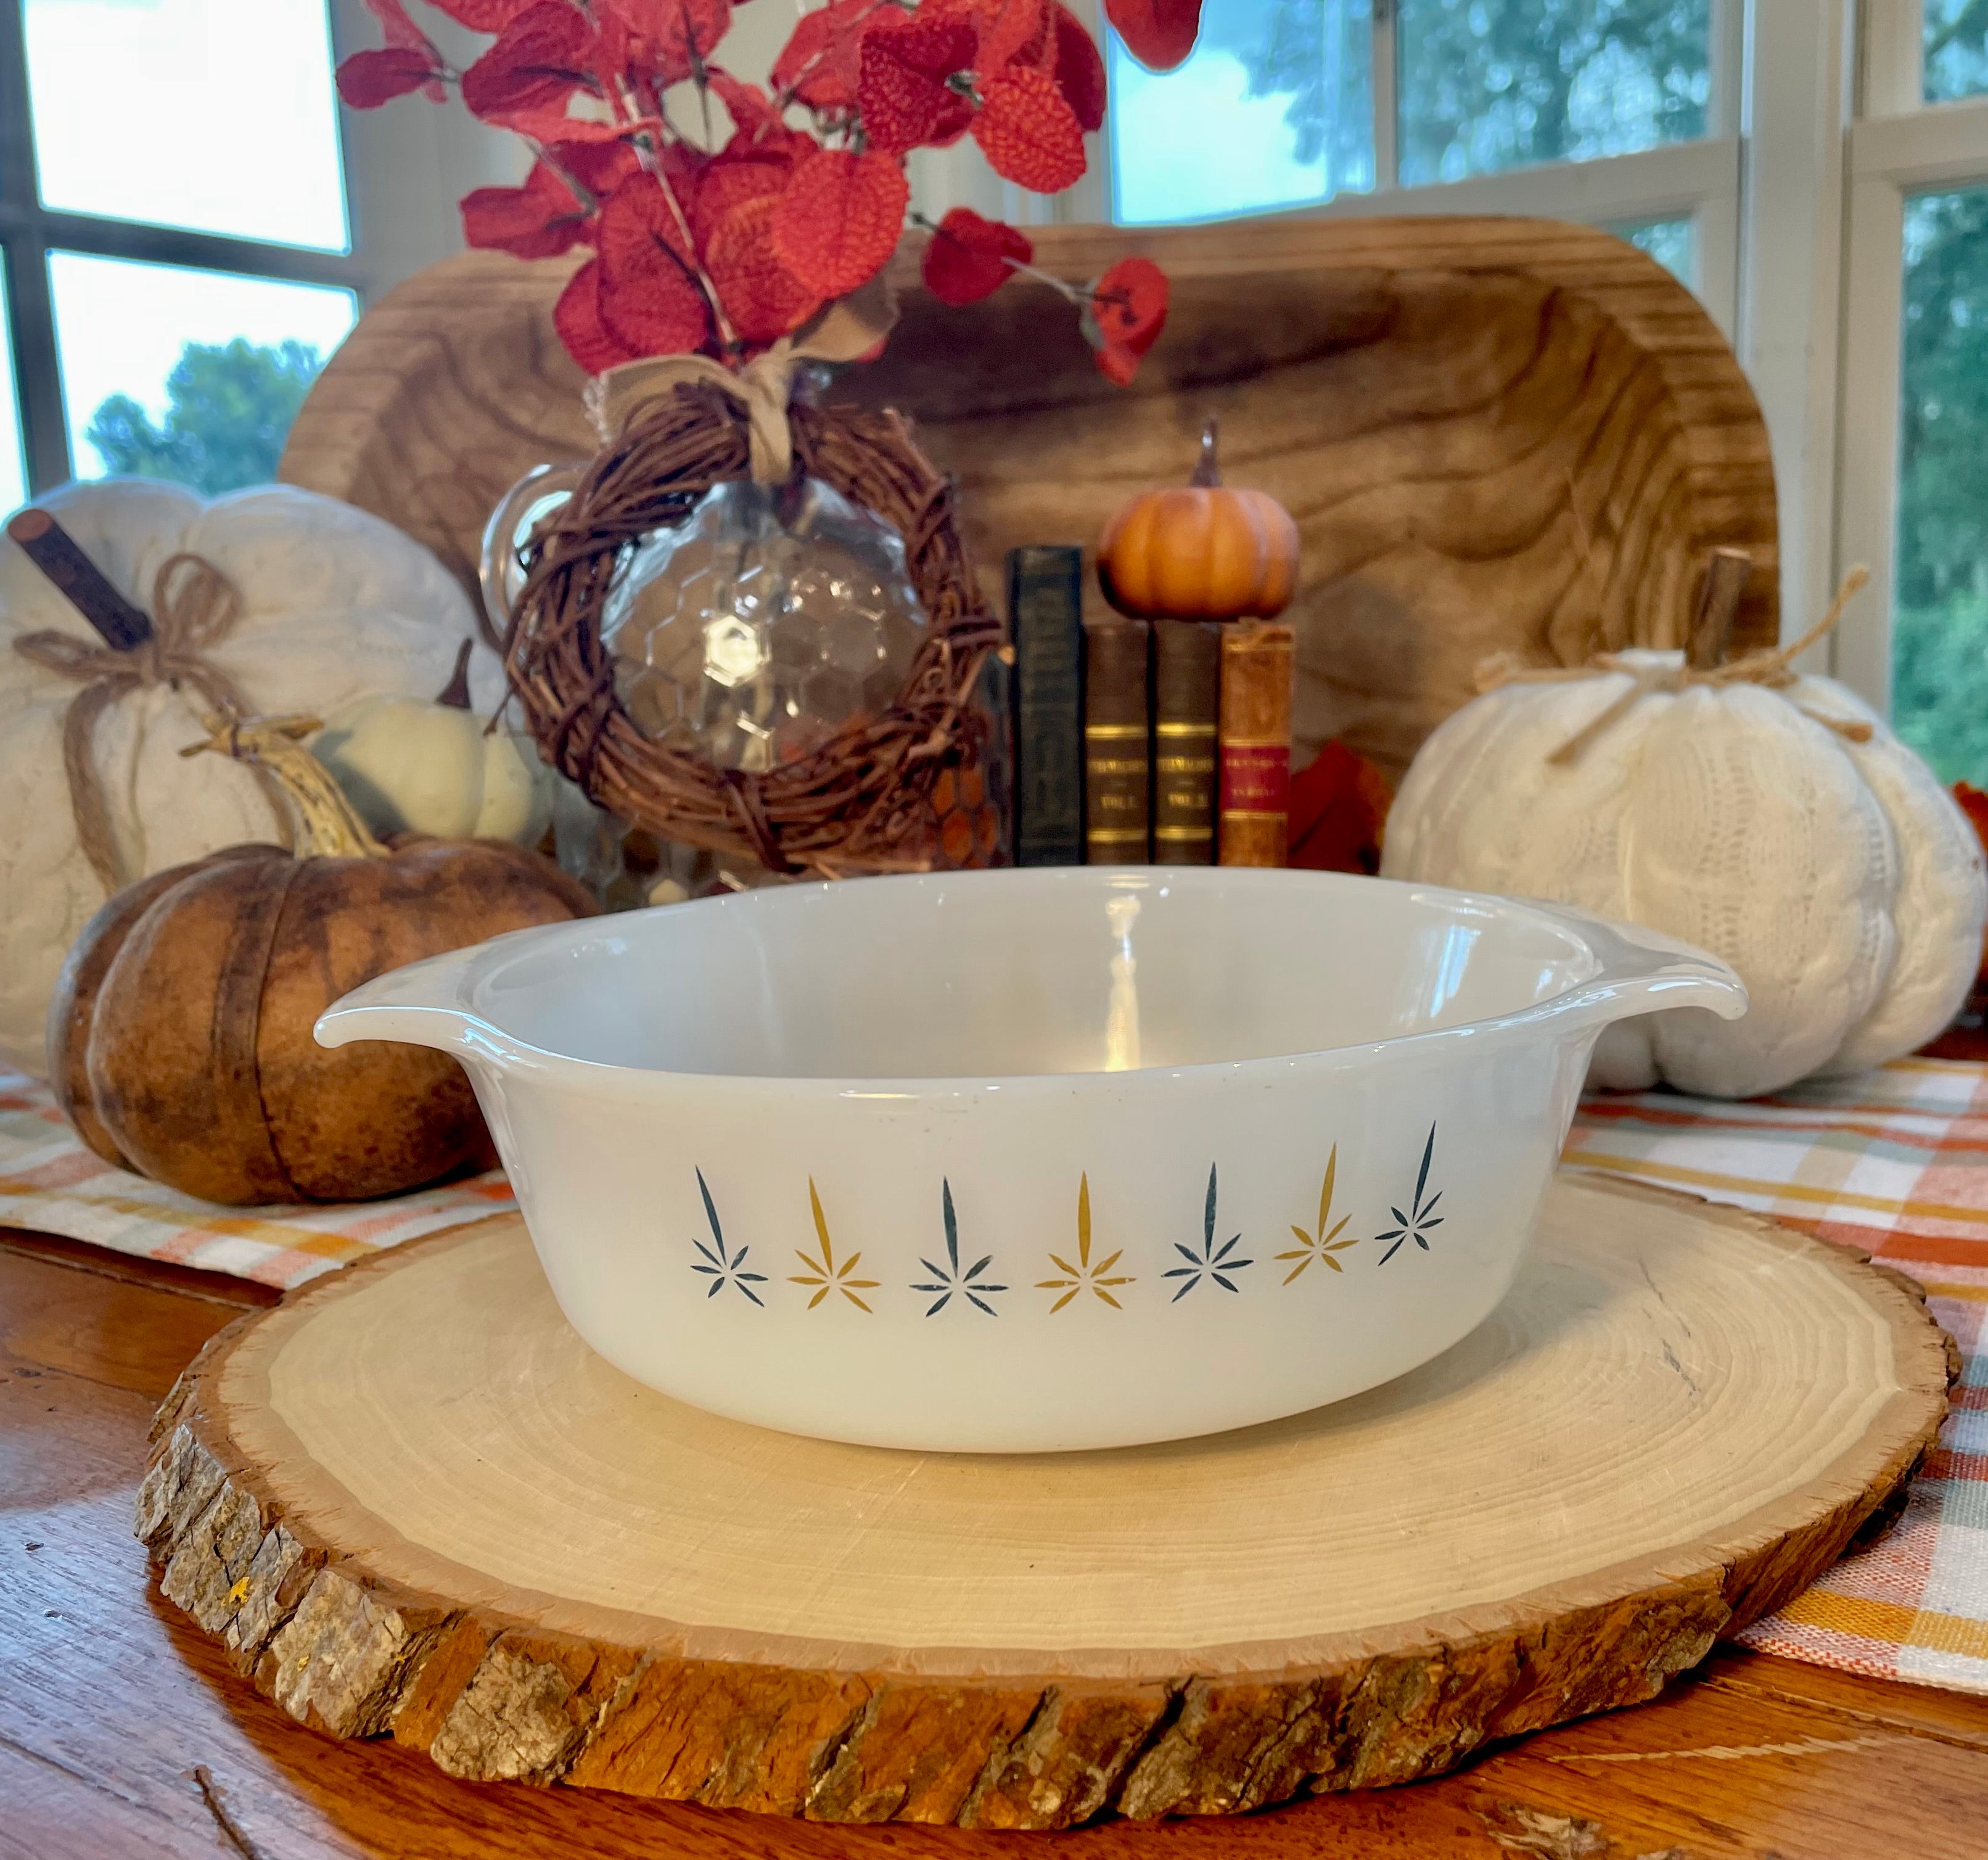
123	1733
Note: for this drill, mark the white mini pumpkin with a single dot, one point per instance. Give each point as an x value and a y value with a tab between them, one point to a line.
336	604
436	768
1837	877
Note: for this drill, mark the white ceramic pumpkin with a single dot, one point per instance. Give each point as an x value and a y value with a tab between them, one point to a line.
337	605
436	768
1837	877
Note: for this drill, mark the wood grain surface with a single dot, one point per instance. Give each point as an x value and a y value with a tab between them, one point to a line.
110	1700
409	1503
1495	434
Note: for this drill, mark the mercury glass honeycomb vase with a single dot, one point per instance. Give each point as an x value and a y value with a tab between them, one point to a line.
752	631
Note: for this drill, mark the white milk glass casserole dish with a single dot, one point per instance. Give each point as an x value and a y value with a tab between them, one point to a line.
1028	1160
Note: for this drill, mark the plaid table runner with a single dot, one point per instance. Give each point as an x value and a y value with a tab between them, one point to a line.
50	1182
1895	1162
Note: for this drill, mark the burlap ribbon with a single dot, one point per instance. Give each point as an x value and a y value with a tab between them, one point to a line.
1773	668
194	606
847	328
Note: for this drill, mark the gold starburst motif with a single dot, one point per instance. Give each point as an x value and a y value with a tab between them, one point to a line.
1323	1244
824	1273
1084	1277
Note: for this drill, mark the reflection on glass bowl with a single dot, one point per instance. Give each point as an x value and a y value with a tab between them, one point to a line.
753	631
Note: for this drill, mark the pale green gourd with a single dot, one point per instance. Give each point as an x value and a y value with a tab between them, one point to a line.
435	767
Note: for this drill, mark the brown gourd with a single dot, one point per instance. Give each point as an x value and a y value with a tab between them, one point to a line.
1209	551
180	1041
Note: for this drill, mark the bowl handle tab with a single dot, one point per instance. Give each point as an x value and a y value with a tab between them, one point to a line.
1641	971
421	1004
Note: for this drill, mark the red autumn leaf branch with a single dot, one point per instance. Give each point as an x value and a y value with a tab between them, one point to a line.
723	241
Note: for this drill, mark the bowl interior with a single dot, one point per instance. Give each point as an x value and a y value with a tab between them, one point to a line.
1013	973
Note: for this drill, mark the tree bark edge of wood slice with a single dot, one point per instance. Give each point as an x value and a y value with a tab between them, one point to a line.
474	1674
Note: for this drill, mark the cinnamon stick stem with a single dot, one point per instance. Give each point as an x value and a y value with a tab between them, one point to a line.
1726	575
55	552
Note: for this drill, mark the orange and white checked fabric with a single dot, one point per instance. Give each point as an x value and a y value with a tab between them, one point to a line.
50	1182
1895	1162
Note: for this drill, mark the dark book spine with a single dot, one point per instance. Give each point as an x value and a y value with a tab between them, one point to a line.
1045	621
1255	744
1187	688
1118	737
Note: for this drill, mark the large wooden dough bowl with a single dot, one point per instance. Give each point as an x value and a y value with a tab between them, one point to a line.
1497	434
412	1503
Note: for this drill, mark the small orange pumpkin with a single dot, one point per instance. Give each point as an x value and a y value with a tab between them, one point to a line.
1209	552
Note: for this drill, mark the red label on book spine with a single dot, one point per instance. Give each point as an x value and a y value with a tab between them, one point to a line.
1255	778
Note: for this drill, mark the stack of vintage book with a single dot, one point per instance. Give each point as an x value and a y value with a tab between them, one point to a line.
1142	741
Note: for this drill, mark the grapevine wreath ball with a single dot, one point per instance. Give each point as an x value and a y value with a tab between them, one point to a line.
730	242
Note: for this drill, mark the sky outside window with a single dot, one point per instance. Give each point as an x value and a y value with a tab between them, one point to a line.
121	328
13	469
1273	108
215	115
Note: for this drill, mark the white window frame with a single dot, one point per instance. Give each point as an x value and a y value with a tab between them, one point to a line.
1698	181
1899	146
1795	197
404	168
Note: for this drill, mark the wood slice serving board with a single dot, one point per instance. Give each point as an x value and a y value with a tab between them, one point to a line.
411	1503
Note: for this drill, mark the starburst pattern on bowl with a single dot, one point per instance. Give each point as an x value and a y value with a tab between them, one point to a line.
824	1273
1084	1277
1211	1262
949	1279
721	1270
1421	1217
1323	1244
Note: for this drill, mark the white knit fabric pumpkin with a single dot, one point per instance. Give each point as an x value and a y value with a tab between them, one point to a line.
1838	877
336	604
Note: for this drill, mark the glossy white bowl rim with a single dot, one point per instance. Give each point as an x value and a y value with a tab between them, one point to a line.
433	1002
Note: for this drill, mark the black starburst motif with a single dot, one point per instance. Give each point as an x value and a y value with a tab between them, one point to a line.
947	1279
721	1271
1421	1216
1211	1262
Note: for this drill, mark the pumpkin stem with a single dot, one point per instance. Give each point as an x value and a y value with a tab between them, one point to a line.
456	693
1725	573
55	552
1207	467
326	827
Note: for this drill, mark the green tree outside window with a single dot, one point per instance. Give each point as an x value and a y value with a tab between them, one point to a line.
228	410
1940	636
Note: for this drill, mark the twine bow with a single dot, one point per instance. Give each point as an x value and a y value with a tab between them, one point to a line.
1772	668
194	606
848	328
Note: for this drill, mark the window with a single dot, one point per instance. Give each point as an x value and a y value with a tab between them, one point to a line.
1841	240
1939	615
13	464
1285	91
1952	53
1482	88
1913	500
1618	112
179	263
1668	242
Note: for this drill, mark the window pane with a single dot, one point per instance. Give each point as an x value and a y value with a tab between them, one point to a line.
1274	109
13	466
1670	242
1956	49
192	375
218	115
1939	639
1490	84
